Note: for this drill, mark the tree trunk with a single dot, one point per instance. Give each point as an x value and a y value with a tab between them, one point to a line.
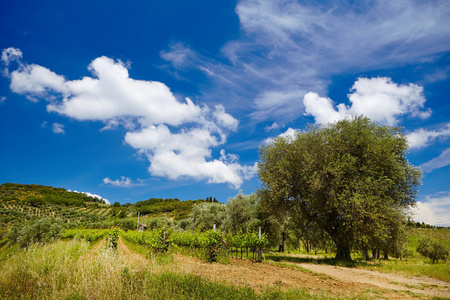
365	254
343	252
283	238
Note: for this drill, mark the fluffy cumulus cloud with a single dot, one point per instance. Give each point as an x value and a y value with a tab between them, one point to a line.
434	210
421	138
378	98
176	136
289	134
187	154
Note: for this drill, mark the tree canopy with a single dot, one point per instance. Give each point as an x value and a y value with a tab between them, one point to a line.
350	178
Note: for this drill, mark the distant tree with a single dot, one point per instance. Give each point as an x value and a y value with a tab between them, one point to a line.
432	249
116	204
343	177
204	215
242	213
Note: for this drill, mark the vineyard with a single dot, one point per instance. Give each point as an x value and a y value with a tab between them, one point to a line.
89	235
209	244
15	213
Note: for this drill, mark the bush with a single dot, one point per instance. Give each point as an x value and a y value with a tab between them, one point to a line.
432	249
44	231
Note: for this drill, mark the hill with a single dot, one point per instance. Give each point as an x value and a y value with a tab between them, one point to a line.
22	202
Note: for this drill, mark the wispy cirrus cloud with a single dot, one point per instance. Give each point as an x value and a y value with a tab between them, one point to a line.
421	138
289	48
441	161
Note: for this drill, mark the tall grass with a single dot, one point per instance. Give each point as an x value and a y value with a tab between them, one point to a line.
72	270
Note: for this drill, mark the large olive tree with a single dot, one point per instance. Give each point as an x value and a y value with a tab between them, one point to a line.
350	178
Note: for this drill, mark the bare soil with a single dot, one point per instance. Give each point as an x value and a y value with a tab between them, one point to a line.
336	281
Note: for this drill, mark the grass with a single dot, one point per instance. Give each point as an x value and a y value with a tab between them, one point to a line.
413	267
73	270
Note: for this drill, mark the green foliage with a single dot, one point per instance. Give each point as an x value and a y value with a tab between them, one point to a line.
43	231
90	235
432	249
204	215
37	195
166	207
113	238
156	240
351	178
156	223
242	213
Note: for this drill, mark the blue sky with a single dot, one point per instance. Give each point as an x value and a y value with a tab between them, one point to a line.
172	99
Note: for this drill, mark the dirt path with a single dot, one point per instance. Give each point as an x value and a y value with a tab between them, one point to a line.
135	260
337	281
419	285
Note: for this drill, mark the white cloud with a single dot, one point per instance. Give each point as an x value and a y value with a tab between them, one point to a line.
185	154
435	210
177	54
348	34
122	182
58	128
441	161
289	133
421	138
2	99
322	109
278	104
11	54
225	119
378	98
36	81
274	125
176	137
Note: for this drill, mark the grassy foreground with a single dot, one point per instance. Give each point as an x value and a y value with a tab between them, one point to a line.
73	270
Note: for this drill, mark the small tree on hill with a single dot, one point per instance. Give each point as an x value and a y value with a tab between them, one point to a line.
432	249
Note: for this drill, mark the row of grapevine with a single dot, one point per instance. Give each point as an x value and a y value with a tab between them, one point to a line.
90	235
213	243
246	240
156	240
